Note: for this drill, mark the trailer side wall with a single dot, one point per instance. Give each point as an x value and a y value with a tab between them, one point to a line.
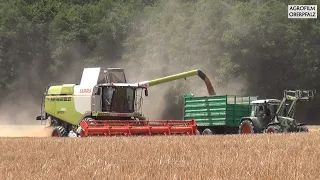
206	110
219	110
238	107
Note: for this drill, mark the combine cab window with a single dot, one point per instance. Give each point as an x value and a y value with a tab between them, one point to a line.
118	99
130	98
107	93
123	100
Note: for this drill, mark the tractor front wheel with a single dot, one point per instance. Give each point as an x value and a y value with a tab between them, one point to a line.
246	127
272	129
59	131
303	129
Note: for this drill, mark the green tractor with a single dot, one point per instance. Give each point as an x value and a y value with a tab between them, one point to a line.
274	115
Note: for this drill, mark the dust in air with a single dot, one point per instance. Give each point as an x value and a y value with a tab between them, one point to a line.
24	131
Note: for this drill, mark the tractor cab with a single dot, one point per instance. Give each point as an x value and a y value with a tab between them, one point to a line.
274	115
265	109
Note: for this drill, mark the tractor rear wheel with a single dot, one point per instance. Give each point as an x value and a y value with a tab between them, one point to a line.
59	131
246	127
272	129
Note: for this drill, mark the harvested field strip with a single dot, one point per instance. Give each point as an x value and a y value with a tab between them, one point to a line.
283	156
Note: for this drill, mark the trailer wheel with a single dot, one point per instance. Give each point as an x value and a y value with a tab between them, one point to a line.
59	131
272	129
246	127
207	131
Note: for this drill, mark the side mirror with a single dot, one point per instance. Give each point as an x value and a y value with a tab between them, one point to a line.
38	118
146	92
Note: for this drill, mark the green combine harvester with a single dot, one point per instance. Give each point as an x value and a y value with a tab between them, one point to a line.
104	104
230	114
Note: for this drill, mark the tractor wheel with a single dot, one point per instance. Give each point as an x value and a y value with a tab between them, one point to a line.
303	129
207	131
246	127
272	129
59	131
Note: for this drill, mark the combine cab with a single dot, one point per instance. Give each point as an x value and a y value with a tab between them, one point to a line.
105	104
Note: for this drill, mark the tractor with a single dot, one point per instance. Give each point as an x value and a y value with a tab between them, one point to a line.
274	115
105	104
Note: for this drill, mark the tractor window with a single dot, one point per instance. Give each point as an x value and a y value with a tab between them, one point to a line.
260	111
253	111
273	108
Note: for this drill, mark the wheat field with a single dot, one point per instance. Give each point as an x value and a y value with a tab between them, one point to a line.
272	156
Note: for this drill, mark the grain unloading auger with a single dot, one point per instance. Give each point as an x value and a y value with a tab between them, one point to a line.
105	104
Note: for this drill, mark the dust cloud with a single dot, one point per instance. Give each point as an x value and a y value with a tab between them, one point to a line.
24	131
18	110
18	118
170	50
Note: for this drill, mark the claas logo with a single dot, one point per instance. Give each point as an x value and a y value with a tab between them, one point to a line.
85	90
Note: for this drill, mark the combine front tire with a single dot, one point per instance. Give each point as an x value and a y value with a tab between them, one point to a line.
198	132
59	131
246	127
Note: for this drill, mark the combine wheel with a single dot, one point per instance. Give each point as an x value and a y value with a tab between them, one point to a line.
207	131
198	132
246	127
272	129
59	131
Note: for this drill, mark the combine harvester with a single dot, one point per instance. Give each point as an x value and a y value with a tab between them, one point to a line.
104	104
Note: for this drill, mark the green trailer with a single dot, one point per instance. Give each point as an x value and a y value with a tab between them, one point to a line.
218	114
